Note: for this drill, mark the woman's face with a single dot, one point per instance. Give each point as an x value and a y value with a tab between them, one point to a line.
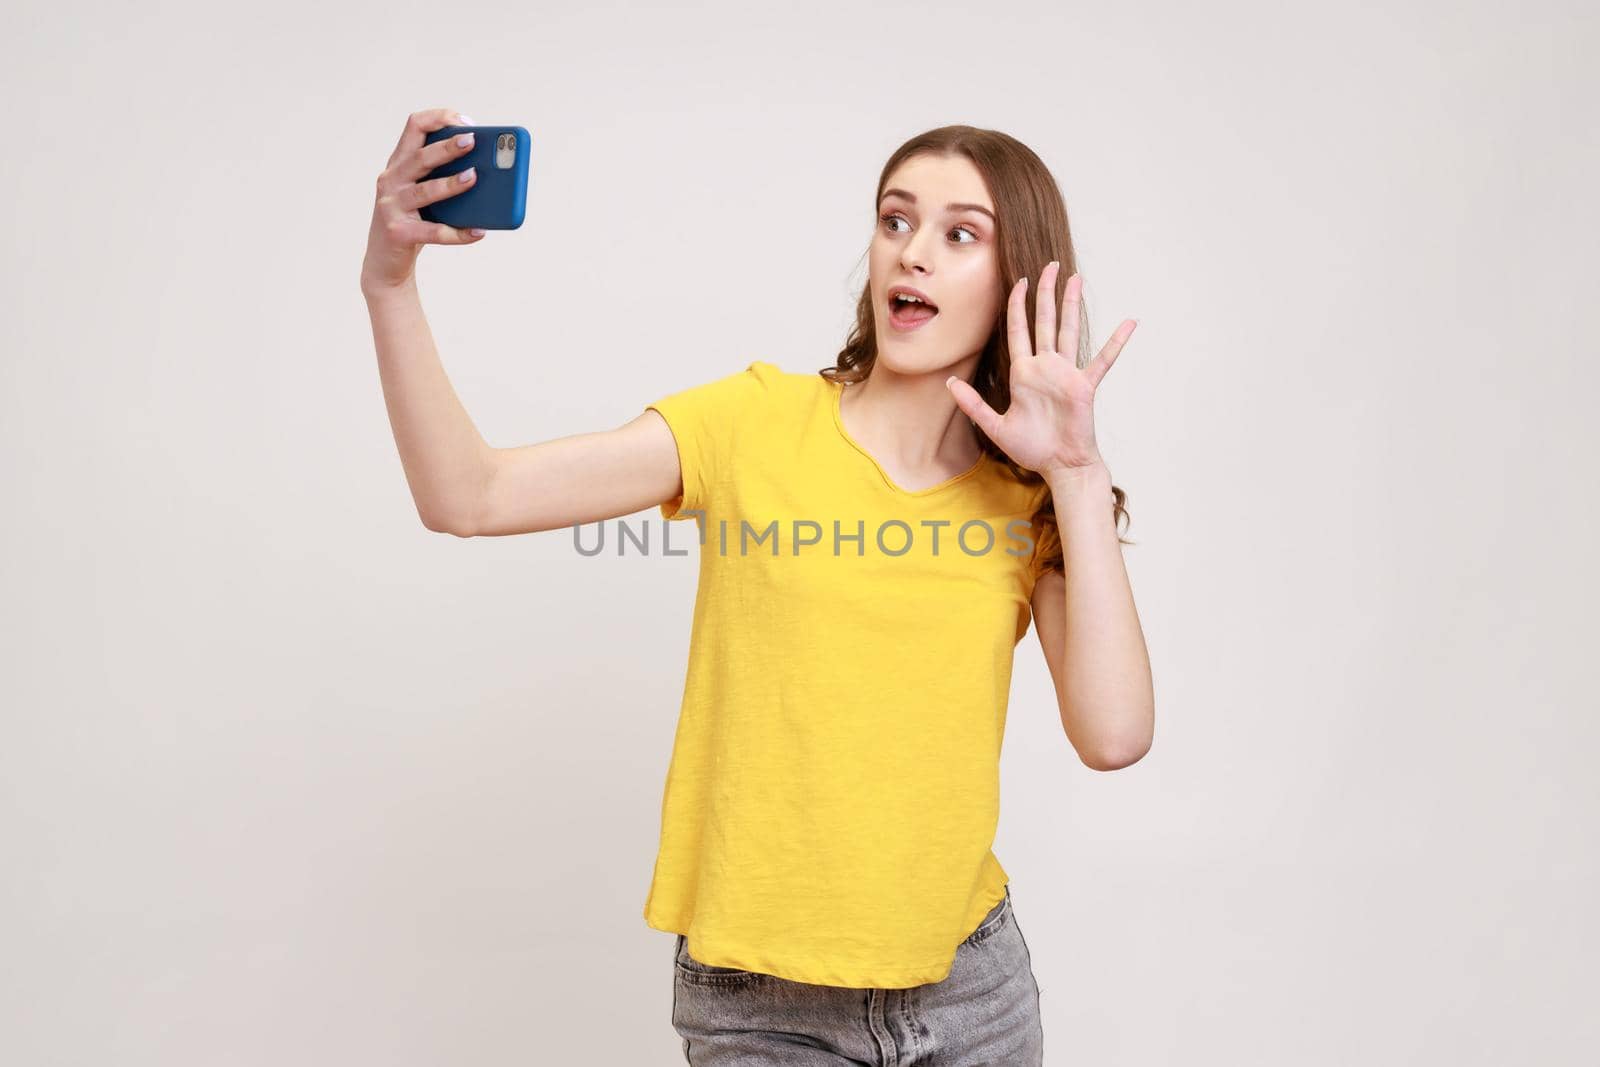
935	233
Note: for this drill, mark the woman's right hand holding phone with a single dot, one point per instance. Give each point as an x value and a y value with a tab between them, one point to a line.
459	483
398	230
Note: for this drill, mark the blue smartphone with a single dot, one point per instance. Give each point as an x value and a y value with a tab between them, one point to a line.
499	197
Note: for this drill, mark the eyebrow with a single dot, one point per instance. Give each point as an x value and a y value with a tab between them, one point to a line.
887	193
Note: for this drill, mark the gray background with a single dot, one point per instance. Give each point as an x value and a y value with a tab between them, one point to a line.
286	778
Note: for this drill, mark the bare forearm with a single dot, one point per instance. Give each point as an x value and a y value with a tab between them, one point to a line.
1107	687
444	455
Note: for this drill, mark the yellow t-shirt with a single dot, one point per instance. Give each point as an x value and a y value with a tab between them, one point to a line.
834	790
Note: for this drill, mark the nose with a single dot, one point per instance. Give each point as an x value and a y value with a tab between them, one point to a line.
913	254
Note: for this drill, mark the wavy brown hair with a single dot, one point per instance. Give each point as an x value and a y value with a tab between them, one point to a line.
1031	229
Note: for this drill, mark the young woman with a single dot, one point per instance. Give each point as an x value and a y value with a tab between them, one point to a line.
874	540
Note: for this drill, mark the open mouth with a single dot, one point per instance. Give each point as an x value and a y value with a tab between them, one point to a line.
909	314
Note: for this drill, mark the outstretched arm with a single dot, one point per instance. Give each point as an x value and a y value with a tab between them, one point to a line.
460	484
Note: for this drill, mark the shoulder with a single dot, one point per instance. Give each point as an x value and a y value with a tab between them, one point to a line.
760	397
729	392
774	379
757	378
764	386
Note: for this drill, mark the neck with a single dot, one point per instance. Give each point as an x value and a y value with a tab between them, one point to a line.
911	420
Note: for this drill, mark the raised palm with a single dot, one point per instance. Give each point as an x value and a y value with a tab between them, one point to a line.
1049	427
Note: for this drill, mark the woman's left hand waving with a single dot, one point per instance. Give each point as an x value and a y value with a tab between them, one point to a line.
1049	427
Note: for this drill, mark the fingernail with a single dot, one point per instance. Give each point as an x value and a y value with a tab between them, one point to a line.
464	139
466	120
467	175
477	232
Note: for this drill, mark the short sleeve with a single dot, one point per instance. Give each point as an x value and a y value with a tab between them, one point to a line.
704	420
1046	541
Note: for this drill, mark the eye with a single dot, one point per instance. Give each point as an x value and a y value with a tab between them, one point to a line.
891	218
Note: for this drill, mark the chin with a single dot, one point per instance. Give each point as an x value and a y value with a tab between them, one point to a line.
902	358
914	353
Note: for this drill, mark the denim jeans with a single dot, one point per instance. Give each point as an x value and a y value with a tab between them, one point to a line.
986	1011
